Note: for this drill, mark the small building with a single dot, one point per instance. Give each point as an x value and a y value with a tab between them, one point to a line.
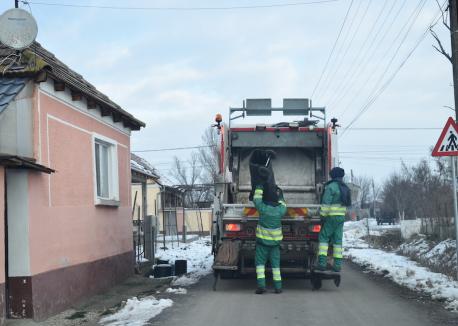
143	173
65	174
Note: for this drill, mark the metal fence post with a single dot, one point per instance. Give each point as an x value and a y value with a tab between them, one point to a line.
184	234
147	229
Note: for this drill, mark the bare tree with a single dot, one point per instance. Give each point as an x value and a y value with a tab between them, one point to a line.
440	48
208	156
186	174
418	191
364	183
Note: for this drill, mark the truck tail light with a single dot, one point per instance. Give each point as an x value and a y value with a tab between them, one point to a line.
316	228
232	227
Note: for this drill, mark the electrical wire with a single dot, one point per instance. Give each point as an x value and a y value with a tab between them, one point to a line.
375	89
394	74
171	149
333	76
272	5
394	128
364	56
332	49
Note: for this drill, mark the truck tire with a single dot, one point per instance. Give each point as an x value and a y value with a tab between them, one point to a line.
316	282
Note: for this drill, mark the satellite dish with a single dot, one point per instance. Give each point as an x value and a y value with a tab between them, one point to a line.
18	29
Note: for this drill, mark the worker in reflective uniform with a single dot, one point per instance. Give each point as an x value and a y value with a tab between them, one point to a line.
332	213
268	238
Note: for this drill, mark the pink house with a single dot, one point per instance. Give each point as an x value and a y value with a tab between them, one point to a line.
65	207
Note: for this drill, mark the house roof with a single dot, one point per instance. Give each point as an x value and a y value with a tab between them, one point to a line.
39	63
142	166
9	88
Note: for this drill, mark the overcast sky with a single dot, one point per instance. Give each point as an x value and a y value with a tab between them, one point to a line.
174	69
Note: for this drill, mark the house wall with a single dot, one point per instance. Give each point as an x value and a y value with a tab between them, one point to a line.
76	248
152	197
2	245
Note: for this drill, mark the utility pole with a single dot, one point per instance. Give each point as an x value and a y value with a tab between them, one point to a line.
453	10
373	195
16	3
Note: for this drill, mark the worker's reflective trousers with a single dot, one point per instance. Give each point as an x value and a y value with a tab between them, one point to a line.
331	232
263	254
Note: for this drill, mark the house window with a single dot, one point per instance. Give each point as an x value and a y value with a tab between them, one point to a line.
106	172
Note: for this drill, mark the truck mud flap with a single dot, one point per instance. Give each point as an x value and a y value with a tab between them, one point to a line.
318	276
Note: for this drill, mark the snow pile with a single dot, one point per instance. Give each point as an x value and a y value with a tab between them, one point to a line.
353	232
137	312
176	291
398	268
439	256
199	257
405	272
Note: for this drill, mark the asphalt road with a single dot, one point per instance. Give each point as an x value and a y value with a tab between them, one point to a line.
361	299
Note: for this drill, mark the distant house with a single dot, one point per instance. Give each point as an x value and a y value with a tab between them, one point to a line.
143	171
65	174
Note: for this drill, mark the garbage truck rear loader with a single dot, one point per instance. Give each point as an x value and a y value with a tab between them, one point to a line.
304	154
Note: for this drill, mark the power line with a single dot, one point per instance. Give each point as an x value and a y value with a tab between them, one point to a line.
395	128
332	77
172	149
365	55
381	151
388	82
273	5
332	49
411	20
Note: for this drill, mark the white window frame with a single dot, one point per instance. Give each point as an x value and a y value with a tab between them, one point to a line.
113	171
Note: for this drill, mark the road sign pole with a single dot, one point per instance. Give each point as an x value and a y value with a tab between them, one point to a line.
455	208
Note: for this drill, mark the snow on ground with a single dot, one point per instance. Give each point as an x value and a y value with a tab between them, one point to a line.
176	291
137	312
398	268
199	257
440	256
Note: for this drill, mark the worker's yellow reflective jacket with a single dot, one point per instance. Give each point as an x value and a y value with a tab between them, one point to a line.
331	203
268	231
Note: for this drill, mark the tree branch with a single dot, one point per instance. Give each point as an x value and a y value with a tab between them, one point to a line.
441	49
444	14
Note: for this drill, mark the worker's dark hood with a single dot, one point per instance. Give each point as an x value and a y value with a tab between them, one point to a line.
337	173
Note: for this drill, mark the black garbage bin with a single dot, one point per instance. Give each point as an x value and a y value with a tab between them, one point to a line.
162	270
262	173
181	267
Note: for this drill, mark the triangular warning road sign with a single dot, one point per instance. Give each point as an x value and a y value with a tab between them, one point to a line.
447	145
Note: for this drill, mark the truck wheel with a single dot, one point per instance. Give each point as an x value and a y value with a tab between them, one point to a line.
337	281
316	283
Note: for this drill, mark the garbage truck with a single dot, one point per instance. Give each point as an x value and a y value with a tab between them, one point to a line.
304	144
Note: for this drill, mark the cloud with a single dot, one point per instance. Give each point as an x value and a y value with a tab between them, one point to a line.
108	56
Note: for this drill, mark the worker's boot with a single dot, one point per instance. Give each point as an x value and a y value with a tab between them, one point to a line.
278	291
260	291
322	263
337	265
